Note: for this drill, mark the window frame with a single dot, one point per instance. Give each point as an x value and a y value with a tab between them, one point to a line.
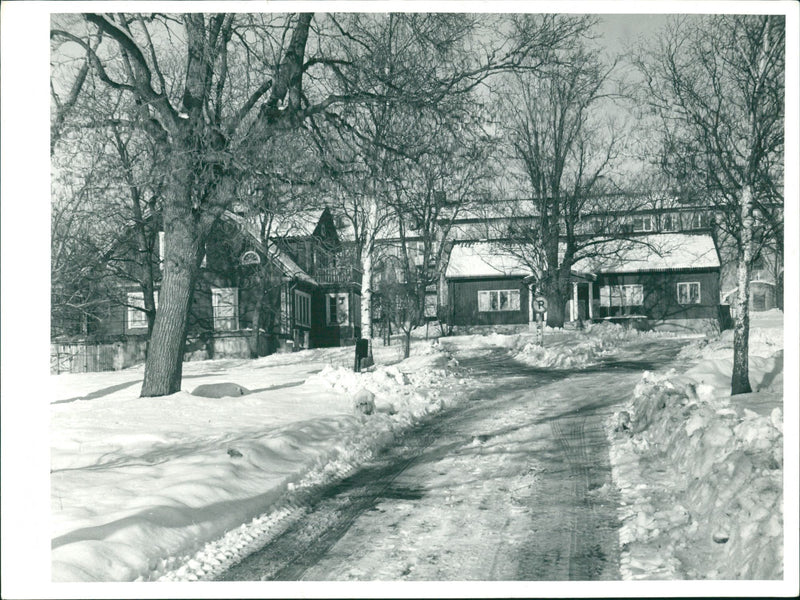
135	315
689	292
302	300
620	292
330	296
648	219
497	306
673	223
216	318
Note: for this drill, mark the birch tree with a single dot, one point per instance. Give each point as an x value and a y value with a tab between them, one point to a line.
717	85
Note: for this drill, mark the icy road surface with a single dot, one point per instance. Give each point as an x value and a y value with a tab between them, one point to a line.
512	484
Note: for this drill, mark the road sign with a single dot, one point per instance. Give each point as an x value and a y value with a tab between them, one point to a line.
540	304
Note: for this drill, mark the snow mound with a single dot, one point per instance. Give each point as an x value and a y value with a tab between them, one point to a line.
701	472
580	354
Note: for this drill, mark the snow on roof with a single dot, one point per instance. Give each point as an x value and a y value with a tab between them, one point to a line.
289	267
297	224
656	252
485	259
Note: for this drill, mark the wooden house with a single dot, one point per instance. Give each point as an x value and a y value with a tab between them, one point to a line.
486	285
255	295
668	281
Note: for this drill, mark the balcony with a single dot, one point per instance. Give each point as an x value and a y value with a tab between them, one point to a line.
338	275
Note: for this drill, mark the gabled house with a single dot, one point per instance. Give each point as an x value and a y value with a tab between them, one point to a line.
668	281
254	296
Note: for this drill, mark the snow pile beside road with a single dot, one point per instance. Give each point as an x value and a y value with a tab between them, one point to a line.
412	391
701	472
581	353
146	488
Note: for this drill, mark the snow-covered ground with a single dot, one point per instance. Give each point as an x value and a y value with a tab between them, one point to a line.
139	484
176	488
701	472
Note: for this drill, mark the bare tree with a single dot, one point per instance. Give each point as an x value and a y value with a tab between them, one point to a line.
565	147
211	88
717	85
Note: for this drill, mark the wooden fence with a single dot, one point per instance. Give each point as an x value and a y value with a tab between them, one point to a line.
87	356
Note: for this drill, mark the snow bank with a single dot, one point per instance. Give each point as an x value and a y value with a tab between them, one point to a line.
149	488
580	354
582	348
700	472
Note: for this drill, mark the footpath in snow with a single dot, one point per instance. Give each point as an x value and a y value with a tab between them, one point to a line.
701	472
180	487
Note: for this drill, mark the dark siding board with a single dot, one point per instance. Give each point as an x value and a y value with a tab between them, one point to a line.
463	295
661	294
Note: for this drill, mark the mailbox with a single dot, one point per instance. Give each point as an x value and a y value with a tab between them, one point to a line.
362	351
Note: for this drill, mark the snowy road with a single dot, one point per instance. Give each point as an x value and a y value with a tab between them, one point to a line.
512	484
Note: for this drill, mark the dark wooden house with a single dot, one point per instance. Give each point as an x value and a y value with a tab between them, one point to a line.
668	281
255	295
485	285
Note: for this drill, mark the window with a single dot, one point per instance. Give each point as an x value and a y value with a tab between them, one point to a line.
621	295
689	293
699	221
431	305
643	223
302	308
669	222
225	305
417	252
337	309
498	300
137	318
250	258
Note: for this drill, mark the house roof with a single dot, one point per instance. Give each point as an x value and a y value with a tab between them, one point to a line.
485	259
297	224
655	252
278	257
288	266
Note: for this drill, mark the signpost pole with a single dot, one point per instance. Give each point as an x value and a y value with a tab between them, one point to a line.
540	308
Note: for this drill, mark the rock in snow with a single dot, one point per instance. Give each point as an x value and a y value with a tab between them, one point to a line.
220	390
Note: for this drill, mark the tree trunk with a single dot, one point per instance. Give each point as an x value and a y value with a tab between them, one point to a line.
366	294
407	343
555	308
256	337
740	377
164	364
370	227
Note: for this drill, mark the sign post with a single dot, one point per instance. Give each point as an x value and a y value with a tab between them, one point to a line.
540	307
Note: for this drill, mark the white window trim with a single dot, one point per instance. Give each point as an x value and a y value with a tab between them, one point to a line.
647	223
136	317
689	294
328	321
607	295
298	313
488	303
673	221
216	293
